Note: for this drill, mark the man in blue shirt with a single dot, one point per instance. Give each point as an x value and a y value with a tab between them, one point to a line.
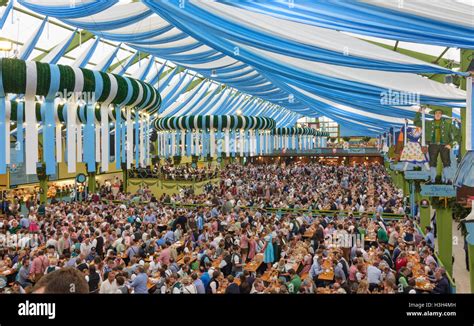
161	241
442	282
150	218
316	268
200	222
429	237
374	276
339	271
139	284
169	235
198	283
205	277
24	222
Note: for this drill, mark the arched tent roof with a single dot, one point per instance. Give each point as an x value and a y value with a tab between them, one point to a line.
245	55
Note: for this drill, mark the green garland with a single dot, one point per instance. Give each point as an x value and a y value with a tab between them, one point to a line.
62	114
294	131
200	122
13	74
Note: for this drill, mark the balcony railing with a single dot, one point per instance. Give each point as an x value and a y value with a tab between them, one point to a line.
329	151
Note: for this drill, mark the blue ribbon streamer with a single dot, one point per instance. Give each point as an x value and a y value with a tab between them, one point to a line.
89	138
136	139
188	142
118	136
3	139
205	142
31	46
124	143
3	130
49	123
232	138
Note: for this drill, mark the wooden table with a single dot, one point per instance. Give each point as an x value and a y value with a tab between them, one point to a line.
181	257
309	233
151	283
328	271
413	257
216	262
424	285
325	290
177	244
370	238
253	266
269	275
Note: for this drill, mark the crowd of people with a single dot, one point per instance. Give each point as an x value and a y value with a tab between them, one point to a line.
270	228
182	172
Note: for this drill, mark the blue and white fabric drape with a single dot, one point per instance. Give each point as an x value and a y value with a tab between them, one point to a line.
465	173
427	22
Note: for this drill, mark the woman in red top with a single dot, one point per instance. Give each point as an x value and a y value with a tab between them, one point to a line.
401	261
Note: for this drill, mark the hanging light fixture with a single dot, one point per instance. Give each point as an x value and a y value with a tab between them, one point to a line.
5	45
213	73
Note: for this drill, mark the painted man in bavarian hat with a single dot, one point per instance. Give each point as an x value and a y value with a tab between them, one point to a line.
440	135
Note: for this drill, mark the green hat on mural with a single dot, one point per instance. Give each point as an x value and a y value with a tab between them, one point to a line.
438	110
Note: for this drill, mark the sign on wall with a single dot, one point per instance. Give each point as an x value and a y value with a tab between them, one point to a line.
417	175
438	191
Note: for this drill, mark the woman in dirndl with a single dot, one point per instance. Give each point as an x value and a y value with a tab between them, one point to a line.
412	152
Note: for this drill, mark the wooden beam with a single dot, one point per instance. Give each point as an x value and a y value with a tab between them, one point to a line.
139	57
417	55
79	38
441	55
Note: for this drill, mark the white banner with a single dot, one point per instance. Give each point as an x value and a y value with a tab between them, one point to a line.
212	140
173	144
469	114
97	141
71	137
59	143
183	142
142	142
79	141
31	128
226	142
104	144
129	141
242	142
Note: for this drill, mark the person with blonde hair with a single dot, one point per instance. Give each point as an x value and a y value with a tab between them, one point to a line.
363	287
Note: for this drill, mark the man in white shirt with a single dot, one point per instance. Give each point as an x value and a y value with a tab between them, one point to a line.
155	265
86	247
110	284
52	242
